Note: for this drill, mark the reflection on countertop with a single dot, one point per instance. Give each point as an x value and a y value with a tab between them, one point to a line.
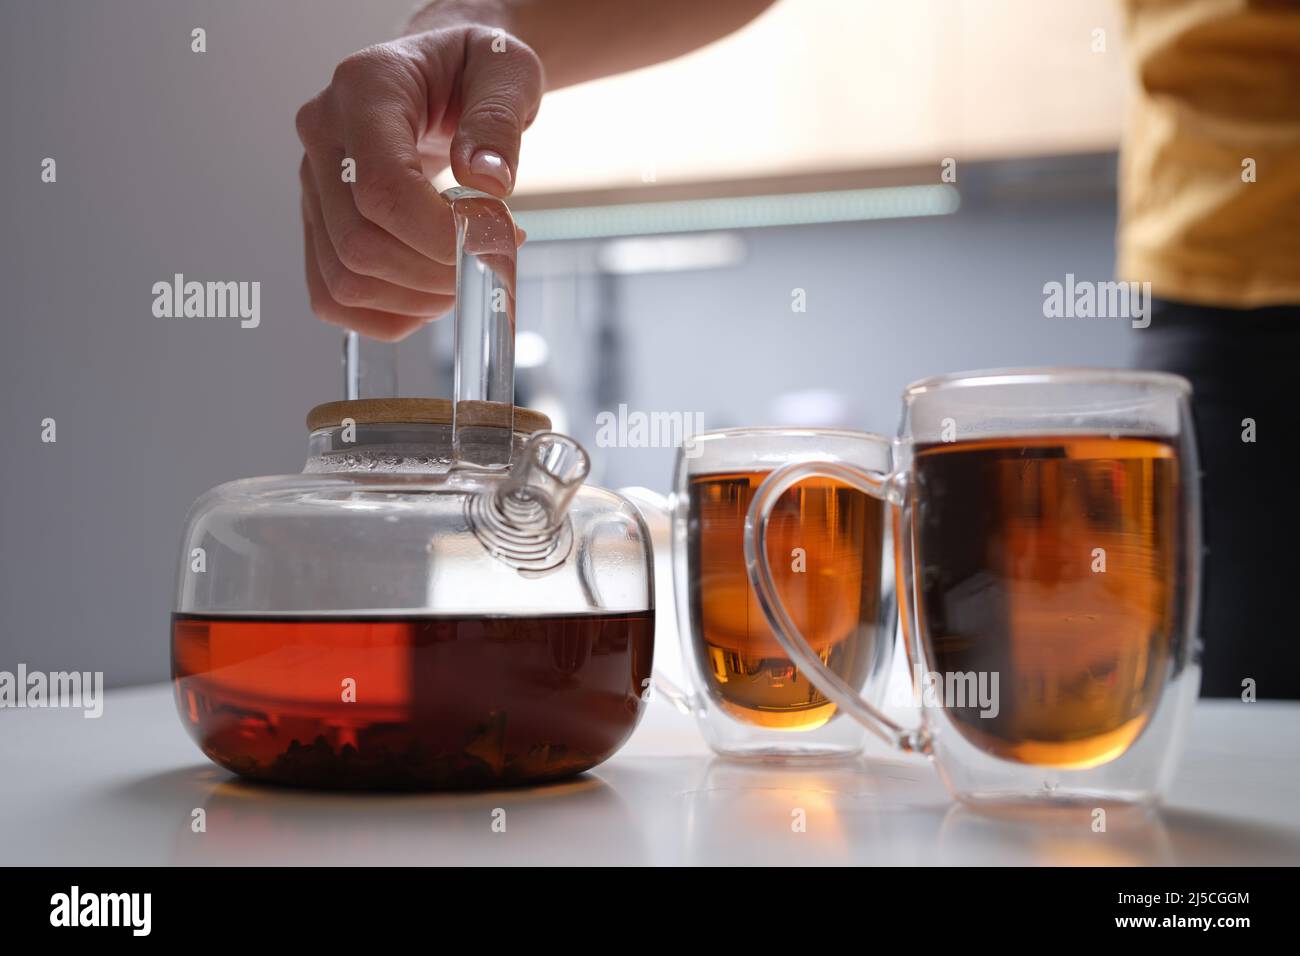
129	788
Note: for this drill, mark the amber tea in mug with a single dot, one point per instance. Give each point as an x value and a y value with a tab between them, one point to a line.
825	543
1052	562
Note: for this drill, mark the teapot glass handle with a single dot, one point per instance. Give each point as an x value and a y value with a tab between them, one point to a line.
369	367
483	395
657	511
484	323
780	481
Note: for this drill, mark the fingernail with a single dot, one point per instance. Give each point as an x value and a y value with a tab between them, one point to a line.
487	163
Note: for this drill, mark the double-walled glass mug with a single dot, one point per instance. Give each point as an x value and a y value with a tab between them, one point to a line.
827	542
1048	562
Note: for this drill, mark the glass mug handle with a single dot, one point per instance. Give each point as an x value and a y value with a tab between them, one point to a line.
886	489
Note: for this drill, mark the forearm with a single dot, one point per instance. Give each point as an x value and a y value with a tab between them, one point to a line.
580	40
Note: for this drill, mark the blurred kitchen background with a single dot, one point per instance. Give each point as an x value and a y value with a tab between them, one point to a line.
673	214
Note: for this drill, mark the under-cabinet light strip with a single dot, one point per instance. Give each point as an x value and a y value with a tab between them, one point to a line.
739	212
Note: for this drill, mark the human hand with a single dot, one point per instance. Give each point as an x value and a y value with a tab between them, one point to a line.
381	250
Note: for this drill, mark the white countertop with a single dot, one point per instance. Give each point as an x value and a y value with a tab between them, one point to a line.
122	790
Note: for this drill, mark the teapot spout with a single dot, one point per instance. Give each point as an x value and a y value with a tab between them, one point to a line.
549	472
522	519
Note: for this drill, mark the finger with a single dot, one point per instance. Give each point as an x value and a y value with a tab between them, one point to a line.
353	289
384	326
384	97
363	246
501	88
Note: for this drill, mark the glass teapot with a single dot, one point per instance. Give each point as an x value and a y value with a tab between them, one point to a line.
437	601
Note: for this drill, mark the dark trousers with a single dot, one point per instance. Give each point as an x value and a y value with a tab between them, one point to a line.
1243	364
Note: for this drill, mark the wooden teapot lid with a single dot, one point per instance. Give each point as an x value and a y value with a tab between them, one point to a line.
425	411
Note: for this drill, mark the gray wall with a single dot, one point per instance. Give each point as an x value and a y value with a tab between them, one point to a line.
174	162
